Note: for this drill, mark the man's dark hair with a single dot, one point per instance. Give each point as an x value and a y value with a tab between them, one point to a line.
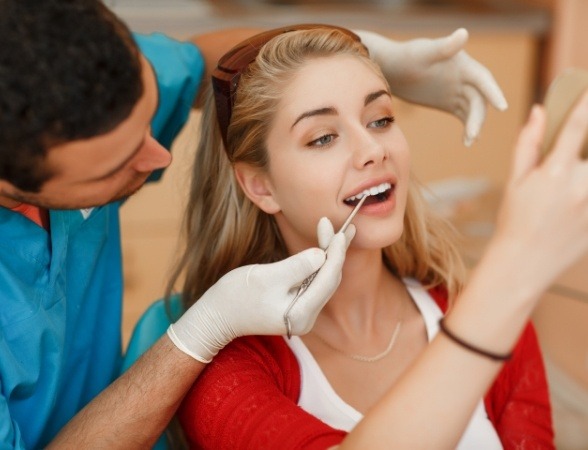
69	69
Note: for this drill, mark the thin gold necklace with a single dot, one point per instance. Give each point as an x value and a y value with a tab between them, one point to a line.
368	359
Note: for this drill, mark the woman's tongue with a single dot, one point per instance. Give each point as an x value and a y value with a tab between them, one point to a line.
371	200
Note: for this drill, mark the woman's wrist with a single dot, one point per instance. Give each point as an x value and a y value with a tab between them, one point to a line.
496	302
466	345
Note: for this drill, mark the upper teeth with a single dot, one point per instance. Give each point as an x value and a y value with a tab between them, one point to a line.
375	190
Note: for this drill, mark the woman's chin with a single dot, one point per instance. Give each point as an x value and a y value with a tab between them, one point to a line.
374	241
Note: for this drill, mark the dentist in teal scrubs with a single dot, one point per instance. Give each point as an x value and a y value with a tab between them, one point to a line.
87	113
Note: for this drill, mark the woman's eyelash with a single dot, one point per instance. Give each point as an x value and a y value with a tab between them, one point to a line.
387	121
328	138
320	142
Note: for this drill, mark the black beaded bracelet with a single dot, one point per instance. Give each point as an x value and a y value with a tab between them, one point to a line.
470	347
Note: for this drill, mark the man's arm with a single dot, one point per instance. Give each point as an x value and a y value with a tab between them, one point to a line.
135	409
213	46
440	74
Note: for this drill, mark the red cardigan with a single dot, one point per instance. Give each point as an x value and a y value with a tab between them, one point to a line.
247	399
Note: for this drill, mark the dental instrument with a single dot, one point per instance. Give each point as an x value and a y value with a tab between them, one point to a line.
304	286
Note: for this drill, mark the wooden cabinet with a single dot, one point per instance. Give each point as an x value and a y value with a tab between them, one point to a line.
567	37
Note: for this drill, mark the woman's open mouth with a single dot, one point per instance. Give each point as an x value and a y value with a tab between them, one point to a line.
376	194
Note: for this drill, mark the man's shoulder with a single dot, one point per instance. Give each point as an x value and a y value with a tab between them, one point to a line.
159	47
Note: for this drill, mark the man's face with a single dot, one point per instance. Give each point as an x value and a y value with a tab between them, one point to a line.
95	171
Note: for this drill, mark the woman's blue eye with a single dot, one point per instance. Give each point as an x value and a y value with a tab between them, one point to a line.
381	123
323	140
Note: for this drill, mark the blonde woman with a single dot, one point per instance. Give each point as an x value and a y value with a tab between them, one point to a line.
301	126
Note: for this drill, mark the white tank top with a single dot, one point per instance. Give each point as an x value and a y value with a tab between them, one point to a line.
318	398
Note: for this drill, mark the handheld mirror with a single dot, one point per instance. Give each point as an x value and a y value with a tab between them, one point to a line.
562	95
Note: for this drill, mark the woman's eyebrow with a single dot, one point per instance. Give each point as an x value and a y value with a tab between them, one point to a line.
315	112
374	95
332	111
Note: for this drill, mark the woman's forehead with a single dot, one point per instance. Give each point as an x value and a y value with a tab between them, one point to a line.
330	81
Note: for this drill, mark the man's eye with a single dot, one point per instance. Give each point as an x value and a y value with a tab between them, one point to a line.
322	141
381	123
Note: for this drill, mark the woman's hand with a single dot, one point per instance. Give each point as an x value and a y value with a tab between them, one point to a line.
440	74
544	215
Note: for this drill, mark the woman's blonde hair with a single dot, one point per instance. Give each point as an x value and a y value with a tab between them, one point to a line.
225	230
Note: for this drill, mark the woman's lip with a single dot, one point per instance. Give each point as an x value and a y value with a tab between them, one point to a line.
379	208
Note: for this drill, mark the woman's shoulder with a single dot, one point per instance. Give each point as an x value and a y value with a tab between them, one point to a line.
246	367
438	294
263	356
274	347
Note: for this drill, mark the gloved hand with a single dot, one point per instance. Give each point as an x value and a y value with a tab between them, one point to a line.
252	299
438	73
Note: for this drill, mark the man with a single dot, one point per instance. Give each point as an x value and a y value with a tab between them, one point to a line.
86	114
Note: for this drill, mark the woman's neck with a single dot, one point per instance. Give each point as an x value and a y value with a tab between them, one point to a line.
368	291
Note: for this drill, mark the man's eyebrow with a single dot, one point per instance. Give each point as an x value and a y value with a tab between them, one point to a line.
374	95
123	163
315	112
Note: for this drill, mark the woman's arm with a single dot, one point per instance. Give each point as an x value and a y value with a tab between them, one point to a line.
247	399
542	229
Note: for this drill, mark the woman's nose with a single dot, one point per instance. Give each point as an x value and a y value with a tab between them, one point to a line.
152	156
367	150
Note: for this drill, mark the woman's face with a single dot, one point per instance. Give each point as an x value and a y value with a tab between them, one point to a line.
332	140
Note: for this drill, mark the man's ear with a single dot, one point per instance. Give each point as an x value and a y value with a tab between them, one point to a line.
257	187
6	188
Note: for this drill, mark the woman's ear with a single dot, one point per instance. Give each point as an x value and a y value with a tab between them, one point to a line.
257	187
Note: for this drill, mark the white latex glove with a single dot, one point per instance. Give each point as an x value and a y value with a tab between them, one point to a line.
251	300
440	74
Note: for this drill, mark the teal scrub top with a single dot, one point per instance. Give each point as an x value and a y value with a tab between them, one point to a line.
61	291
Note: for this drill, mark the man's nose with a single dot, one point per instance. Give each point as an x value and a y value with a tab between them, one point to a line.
152	156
